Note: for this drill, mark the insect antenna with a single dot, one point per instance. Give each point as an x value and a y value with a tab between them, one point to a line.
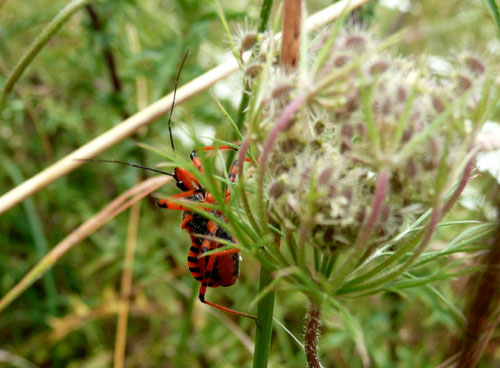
127	164
173	101
169	131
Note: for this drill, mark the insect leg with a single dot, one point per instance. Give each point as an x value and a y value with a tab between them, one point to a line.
232	177
222	148
196	161
212	228
166	203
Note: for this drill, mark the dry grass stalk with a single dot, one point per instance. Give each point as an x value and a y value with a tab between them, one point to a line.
292	25
126	286
118	205
148	115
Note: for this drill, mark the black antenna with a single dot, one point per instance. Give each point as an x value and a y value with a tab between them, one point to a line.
125	163
173	101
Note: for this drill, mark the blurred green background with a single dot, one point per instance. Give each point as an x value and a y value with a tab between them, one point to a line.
71	94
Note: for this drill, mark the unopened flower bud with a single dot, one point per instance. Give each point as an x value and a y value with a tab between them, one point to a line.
386	106
346	131
356	41
378	67
252	71
288	145
319	127
438	104
277	189
434	152
248	41
475	65
464	83
325	175
281	90
402	94
340	60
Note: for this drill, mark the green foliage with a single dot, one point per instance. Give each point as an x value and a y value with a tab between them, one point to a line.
66	96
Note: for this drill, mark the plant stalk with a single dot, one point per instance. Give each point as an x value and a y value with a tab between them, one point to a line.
312	326
126	287
115	207
265	12
149	114
265	309
290	47
38	45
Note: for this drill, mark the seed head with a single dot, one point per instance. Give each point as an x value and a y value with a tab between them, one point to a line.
366	109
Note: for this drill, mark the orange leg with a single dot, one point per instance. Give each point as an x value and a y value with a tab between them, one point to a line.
232	172
212	227
185	221
222	148
232	177
196	161
165	203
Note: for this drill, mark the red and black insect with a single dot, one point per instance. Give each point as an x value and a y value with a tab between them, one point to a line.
220	268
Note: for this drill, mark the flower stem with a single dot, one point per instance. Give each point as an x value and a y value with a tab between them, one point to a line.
364	233
313	323
265	12
265	310
290	46
463	182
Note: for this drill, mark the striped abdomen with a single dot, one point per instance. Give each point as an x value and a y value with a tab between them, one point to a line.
226	267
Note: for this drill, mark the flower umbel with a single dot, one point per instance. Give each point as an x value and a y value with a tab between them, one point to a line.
327	133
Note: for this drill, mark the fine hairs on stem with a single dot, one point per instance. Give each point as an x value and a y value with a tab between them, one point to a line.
311	334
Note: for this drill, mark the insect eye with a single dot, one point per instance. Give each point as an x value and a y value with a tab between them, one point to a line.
181	185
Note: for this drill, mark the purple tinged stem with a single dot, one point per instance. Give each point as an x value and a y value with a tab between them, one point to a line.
312	331
380	193
284	121
431	227
465	179
364	233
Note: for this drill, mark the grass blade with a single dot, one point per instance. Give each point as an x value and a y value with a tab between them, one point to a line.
37	46
120	204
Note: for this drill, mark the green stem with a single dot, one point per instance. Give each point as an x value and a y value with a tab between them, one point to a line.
38	44
265	12
491	5
38	235
265	310
364	233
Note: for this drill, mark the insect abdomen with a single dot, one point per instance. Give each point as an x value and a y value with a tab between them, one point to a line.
226	267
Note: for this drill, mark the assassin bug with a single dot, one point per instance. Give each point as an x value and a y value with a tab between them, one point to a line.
220	268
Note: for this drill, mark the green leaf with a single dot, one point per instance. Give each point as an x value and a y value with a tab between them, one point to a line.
492	6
